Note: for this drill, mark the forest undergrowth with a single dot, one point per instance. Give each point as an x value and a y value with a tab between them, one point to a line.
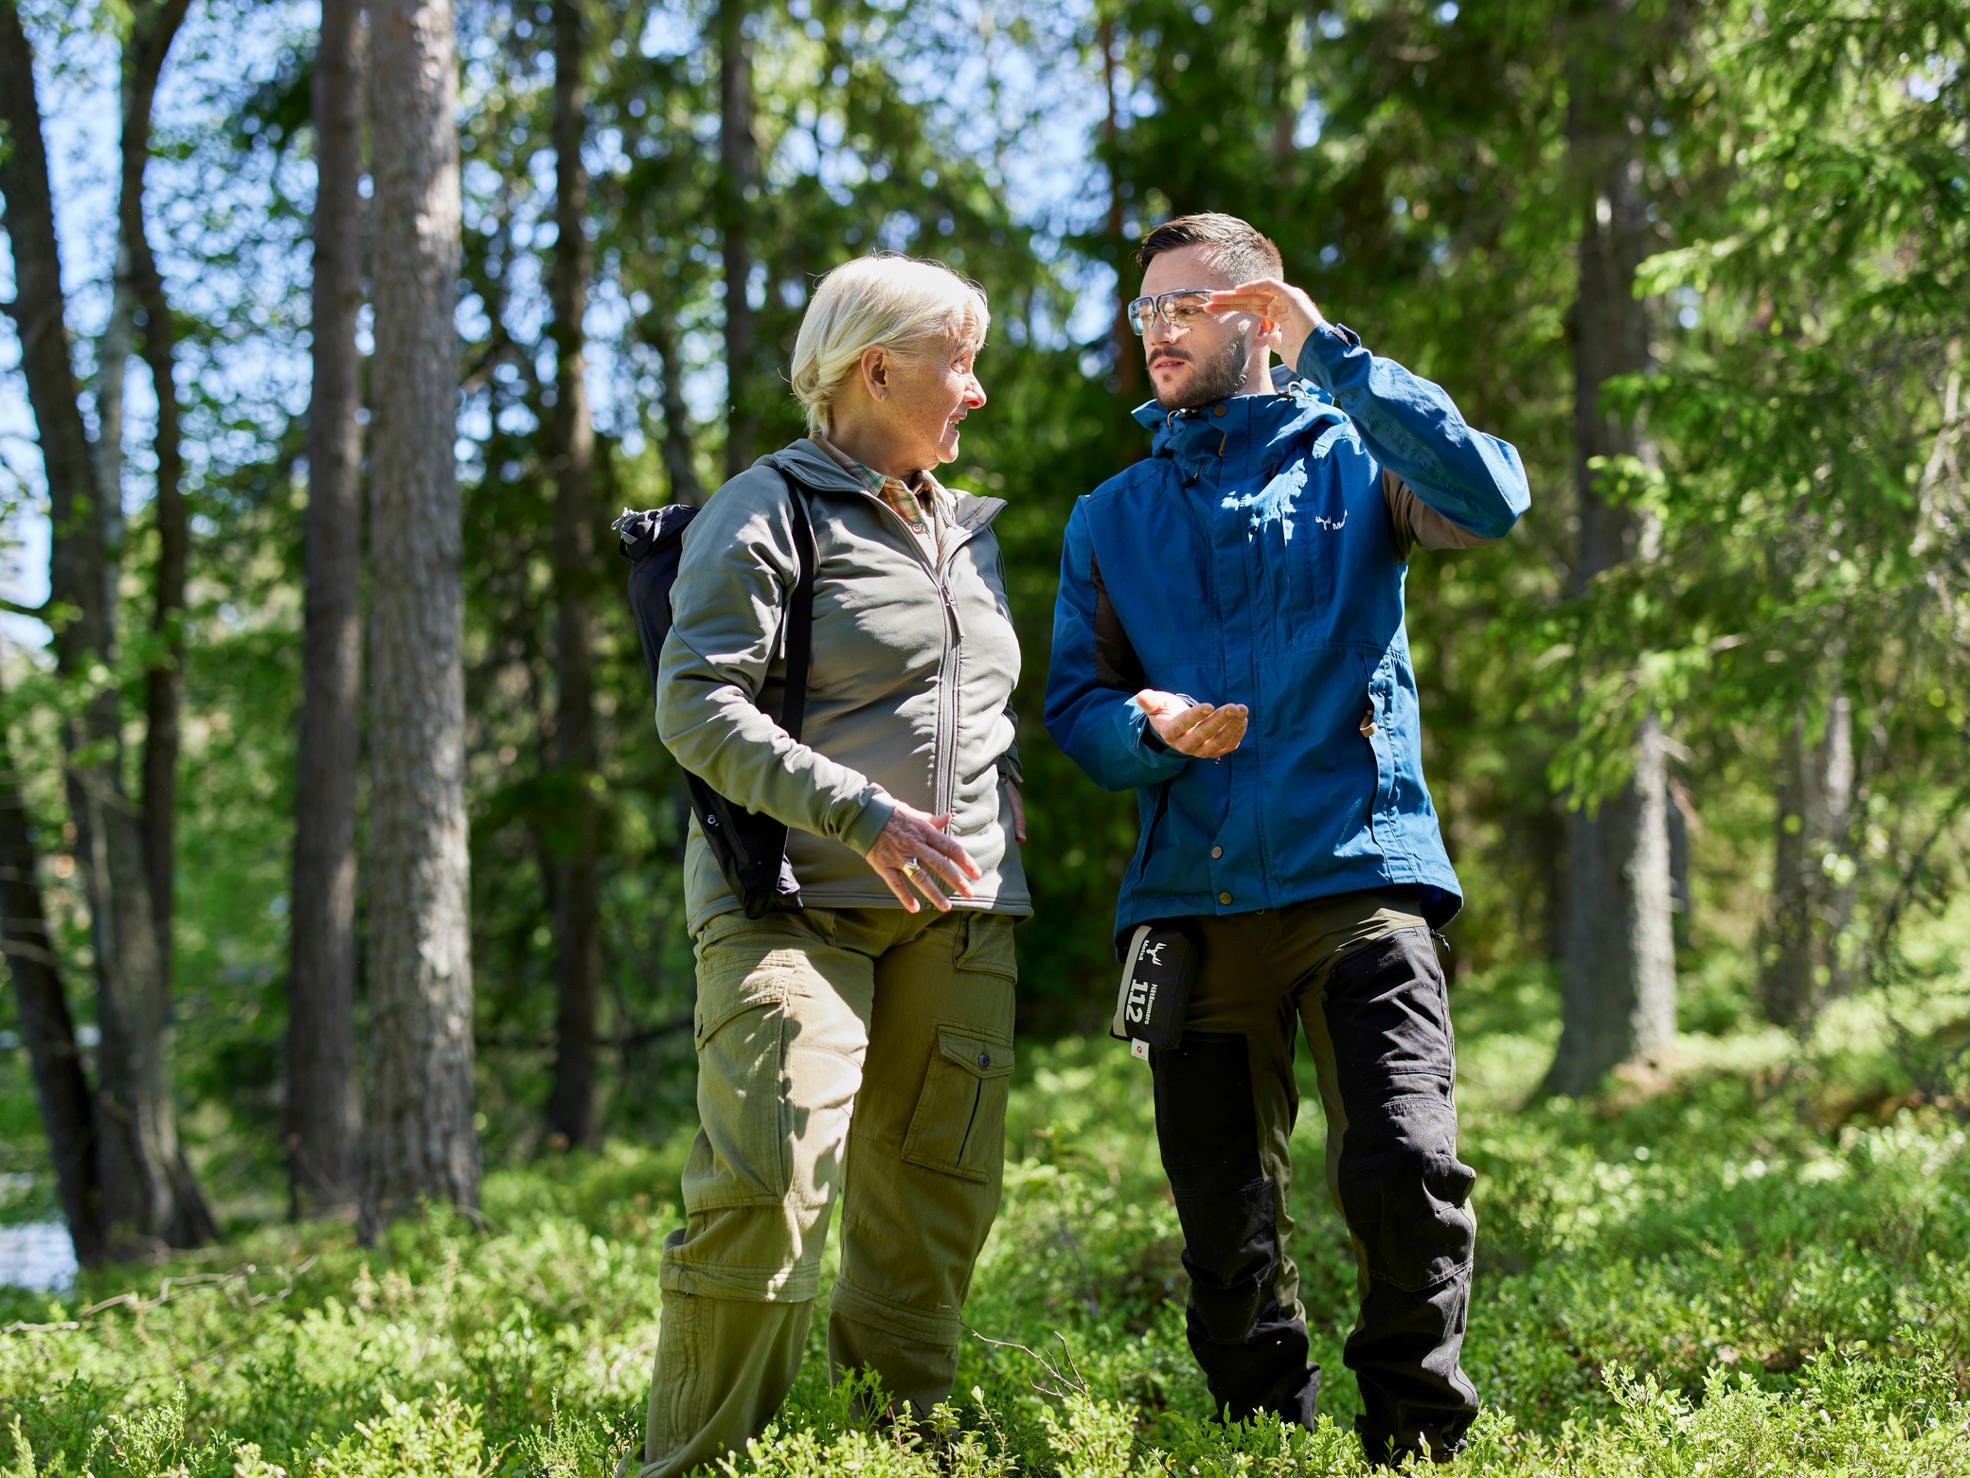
1754	1259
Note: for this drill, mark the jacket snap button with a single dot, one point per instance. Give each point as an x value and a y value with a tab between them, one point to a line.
1217	852
1218	411
984	1059
1224	898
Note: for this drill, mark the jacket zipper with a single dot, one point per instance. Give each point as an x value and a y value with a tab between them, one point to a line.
950	671
944	777
946	783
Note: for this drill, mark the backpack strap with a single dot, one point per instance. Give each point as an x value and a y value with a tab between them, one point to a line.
800	610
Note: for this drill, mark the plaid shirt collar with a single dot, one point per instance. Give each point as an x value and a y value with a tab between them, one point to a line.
917	506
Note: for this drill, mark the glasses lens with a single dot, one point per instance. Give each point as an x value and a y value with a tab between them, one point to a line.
1140	311
1184	308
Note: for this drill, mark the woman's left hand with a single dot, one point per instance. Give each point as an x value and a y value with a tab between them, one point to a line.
916	854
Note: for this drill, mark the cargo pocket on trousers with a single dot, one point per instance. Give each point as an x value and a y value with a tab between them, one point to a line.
960	1123
740	1157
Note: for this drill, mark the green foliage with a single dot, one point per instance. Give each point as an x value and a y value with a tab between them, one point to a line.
1759	1265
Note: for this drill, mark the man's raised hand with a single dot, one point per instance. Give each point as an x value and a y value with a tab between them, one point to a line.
1293	314
1202	730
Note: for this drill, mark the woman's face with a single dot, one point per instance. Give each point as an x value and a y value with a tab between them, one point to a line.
931	388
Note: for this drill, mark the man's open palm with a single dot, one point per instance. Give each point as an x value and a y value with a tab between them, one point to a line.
1202	730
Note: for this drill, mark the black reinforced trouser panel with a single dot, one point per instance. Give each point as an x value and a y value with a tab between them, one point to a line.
1359	976
1253	1349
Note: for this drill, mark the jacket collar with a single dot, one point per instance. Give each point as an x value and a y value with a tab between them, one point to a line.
1245	436
815	470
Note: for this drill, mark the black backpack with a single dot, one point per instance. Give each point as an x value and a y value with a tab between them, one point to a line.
751	848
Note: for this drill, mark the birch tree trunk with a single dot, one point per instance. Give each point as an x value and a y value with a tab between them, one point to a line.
419	1112
324	1112
572	842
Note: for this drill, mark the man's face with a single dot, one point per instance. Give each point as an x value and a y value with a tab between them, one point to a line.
1207	359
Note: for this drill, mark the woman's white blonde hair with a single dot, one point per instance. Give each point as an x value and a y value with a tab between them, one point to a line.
898	302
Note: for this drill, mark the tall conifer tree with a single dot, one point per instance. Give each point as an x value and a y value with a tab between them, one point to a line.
419	1109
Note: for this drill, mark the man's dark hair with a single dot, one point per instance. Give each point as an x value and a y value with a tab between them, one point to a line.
1230	245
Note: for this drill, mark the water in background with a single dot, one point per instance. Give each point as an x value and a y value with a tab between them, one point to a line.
38	1255
35	1254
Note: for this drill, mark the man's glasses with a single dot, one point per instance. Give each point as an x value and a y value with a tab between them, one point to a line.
1179	309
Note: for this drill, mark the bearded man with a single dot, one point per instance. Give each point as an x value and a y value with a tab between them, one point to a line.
1229	643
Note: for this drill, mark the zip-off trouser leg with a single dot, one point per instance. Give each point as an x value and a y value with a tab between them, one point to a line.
854	1053
1359	975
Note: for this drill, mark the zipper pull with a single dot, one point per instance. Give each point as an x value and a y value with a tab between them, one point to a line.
951	609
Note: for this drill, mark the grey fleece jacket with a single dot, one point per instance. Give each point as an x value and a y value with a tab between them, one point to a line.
908	689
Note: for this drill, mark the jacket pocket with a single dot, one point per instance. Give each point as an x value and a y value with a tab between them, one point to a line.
1378	730
960	1122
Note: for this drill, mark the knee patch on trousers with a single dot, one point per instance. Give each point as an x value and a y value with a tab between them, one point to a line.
760	1254
1404	1189
1209	1133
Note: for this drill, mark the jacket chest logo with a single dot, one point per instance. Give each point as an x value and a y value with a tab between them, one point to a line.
1276	502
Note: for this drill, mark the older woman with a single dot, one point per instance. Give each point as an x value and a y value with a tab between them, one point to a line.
857	1048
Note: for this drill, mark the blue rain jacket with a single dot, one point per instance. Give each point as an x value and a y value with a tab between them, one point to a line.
1254	558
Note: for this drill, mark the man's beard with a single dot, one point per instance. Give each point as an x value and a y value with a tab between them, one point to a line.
1218	378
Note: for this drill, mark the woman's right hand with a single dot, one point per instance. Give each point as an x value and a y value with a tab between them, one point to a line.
915	855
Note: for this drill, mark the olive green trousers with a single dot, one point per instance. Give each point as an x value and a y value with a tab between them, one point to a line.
856	1054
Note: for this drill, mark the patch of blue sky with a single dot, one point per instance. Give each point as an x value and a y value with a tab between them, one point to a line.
198	191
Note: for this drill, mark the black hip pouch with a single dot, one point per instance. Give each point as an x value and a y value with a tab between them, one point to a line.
1158	969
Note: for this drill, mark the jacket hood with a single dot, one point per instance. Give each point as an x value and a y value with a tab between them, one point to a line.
1244	434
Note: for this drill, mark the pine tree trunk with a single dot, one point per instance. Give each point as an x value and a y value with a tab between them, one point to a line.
419	1112
738	175
679	454
1618	965
572	845
67	1112
156	27
324	1113
1129	369
114	350
1810	903
148	1194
